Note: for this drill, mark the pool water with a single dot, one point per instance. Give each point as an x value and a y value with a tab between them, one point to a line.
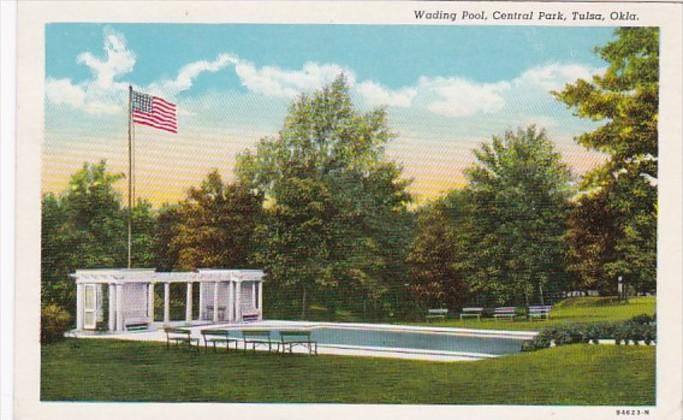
411	340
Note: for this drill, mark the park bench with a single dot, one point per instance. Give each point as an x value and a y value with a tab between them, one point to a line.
136	324
256	337
505	312
214	336
293	338
436	314
250	315
179	336
539	312
471	313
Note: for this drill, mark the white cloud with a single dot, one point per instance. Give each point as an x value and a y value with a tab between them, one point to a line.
554	76
189	72
375	94
62	91
277	82
119	61
457	97
448	96
104	93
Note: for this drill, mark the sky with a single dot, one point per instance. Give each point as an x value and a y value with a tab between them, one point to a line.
446	90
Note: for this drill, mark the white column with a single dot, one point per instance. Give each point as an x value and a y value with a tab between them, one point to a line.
260	300
253	294
79	306
150	302
188	303
167	303
215	301
238	310
119	307
231	297
201	300
111	291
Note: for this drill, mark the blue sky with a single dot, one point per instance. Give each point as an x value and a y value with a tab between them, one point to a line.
446	89
397	55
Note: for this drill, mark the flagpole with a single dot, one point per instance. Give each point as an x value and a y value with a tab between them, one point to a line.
130	175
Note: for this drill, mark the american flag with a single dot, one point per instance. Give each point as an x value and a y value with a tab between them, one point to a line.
154	112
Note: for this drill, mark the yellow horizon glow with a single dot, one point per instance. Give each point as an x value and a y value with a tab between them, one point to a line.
166	167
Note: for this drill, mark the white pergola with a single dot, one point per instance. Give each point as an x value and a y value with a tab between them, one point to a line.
224	296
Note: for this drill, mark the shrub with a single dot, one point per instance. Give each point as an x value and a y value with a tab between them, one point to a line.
642	319
54	322
541	341
600	330
570	334
650	334
640	328
622	333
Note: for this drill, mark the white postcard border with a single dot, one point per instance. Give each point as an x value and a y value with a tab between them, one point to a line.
30	87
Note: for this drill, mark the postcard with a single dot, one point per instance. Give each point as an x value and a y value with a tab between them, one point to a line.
369	209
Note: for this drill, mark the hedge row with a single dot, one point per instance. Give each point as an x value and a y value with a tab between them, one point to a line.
639	328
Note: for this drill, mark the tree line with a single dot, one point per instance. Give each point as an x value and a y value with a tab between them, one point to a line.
328	216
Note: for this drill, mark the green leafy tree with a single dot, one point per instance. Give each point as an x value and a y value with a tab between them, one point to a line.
635	201
86	227
168	218
625	98
590	229
293	242
434	280
510	246
143	238
55	253
338	228
214	226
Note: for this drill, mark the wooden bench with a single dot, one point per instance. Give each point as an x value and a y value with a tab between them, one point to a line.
256	337
136	324
471	313
505	312
180	336
293	338
436	314
539	312
215	336
250	315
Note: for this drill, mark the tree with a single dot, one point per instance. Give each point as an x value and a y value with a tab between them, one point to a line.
625	98
215	225
590	229
168	218
337	229
86	227
54	253
434	280
635	201
510	244
143	238
293	242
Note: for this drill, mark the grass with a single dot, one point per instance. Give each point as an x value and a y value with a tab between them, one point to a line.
580	310
115	370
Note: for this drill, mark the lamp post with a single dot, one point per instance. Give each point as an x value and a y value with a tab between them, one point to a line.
621	289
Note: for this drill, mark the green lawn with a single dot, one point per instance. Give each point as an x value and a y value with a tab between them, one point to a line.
115	370
582	309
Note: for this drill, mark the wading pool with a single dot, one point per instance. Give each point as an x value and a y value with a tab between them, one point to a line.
466	343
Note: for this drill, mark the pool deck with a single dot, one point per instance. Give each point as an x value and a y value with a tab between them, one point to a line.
157	334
